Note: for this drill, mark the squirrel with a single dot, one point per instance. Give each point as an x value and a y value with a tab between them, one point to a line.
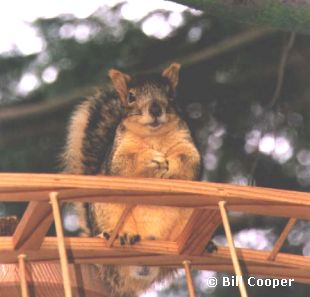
132	128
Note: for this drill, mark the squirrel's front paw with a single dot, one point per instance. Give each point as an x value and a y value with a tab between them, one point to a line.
105	235
124	238
158	163
129	239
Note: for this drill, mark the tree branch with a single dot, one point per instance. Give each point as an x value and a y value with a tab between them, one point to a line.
30	111
281	70
226	45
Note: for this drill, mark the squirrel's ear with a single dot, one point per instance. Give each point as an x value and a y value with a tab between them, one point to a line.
172	74
120	82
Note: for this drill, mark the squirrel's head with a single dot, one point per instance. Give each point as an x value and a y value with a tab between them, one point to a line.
147	99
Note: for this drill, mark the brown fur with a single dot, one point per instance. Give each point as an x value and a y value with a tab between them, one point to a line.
151	140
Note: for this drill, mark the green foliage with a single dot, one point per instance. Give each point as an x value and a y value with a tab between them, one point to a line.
11	68
283	15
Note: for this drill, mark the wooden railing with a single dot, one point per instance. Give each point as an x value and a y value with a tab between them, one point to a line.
30	239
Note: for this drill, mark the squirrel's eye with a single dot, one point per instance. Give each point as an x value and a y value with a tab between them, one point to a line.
131	97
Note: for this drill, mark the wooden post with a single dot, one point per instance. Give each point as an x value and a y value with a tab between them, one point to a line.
22	275
277	246
232	249
189	279
61	244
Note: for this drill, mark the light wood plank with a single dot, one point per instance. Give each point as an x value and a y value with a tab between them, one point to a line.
119	225
89	250
301	212
198	231
218	262
46	281
279	243
33	226
211	192
202	196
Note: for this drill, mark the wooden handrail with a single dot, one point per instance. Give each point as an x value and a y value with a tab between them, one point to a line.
203	197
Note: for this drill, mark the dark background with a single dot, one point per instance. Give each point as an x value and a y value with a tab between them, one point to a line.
246	133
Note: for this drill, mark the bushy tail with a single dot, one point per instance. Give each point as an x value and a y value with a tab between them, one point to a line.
91	132
90	136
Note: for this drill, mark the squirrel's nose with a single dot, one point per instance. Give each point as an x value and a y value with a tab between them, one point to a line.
155	109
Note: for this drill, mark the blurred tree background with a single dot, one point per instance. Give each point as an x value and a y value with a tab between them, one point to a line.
245	92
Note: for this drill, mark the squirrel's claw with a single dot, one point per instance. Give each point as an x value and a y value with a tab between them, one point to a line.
129	239
106	235
123	239
158	162
134	239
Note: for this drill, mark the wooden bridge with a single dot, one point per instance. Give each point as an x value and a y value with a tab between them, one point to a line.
31	259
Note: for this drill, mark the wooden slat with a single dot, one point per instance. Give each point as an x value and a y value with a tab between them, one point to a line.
22	189
210	191
254	256
46	281
89	250
93	250
82	250
281	239
146	191
119	225
181	200
198	231
202	196
33	226
301	212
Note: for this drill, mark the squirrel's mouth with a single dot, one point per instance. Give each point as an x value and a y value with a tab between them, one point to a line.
154	124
